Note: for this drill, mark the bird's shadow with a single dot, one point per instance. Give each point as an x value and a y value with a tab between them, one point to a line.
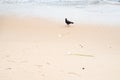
67	26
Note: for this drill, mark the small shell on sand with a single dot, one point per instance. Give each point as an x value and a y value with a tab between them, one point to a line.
69	53
59	35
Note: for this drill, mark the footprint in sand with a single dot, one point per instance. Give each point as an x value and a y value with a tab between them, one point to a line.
72	76
39	66
48	63
81	46
9	68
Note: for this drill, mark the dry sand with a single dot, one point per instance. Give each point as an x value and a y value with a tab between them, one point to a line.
34	48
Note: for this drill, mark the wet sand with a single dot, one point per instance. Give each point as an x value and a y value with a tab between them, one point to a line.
33	48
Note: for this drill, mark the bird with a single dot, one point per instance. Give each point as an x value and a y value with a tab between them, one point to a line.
68	22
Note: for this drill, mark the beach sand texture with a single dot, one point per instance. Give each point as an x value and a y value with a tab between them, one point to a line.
33	48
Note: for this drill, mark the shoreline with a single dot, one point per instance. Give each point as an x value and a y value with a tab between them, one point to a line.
95	14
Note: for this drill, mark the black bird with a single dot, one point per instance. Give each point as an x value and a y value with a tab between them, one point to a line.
68	22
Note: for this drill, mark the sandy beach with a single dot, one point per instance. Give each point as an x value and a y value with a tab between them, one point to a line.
34	48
